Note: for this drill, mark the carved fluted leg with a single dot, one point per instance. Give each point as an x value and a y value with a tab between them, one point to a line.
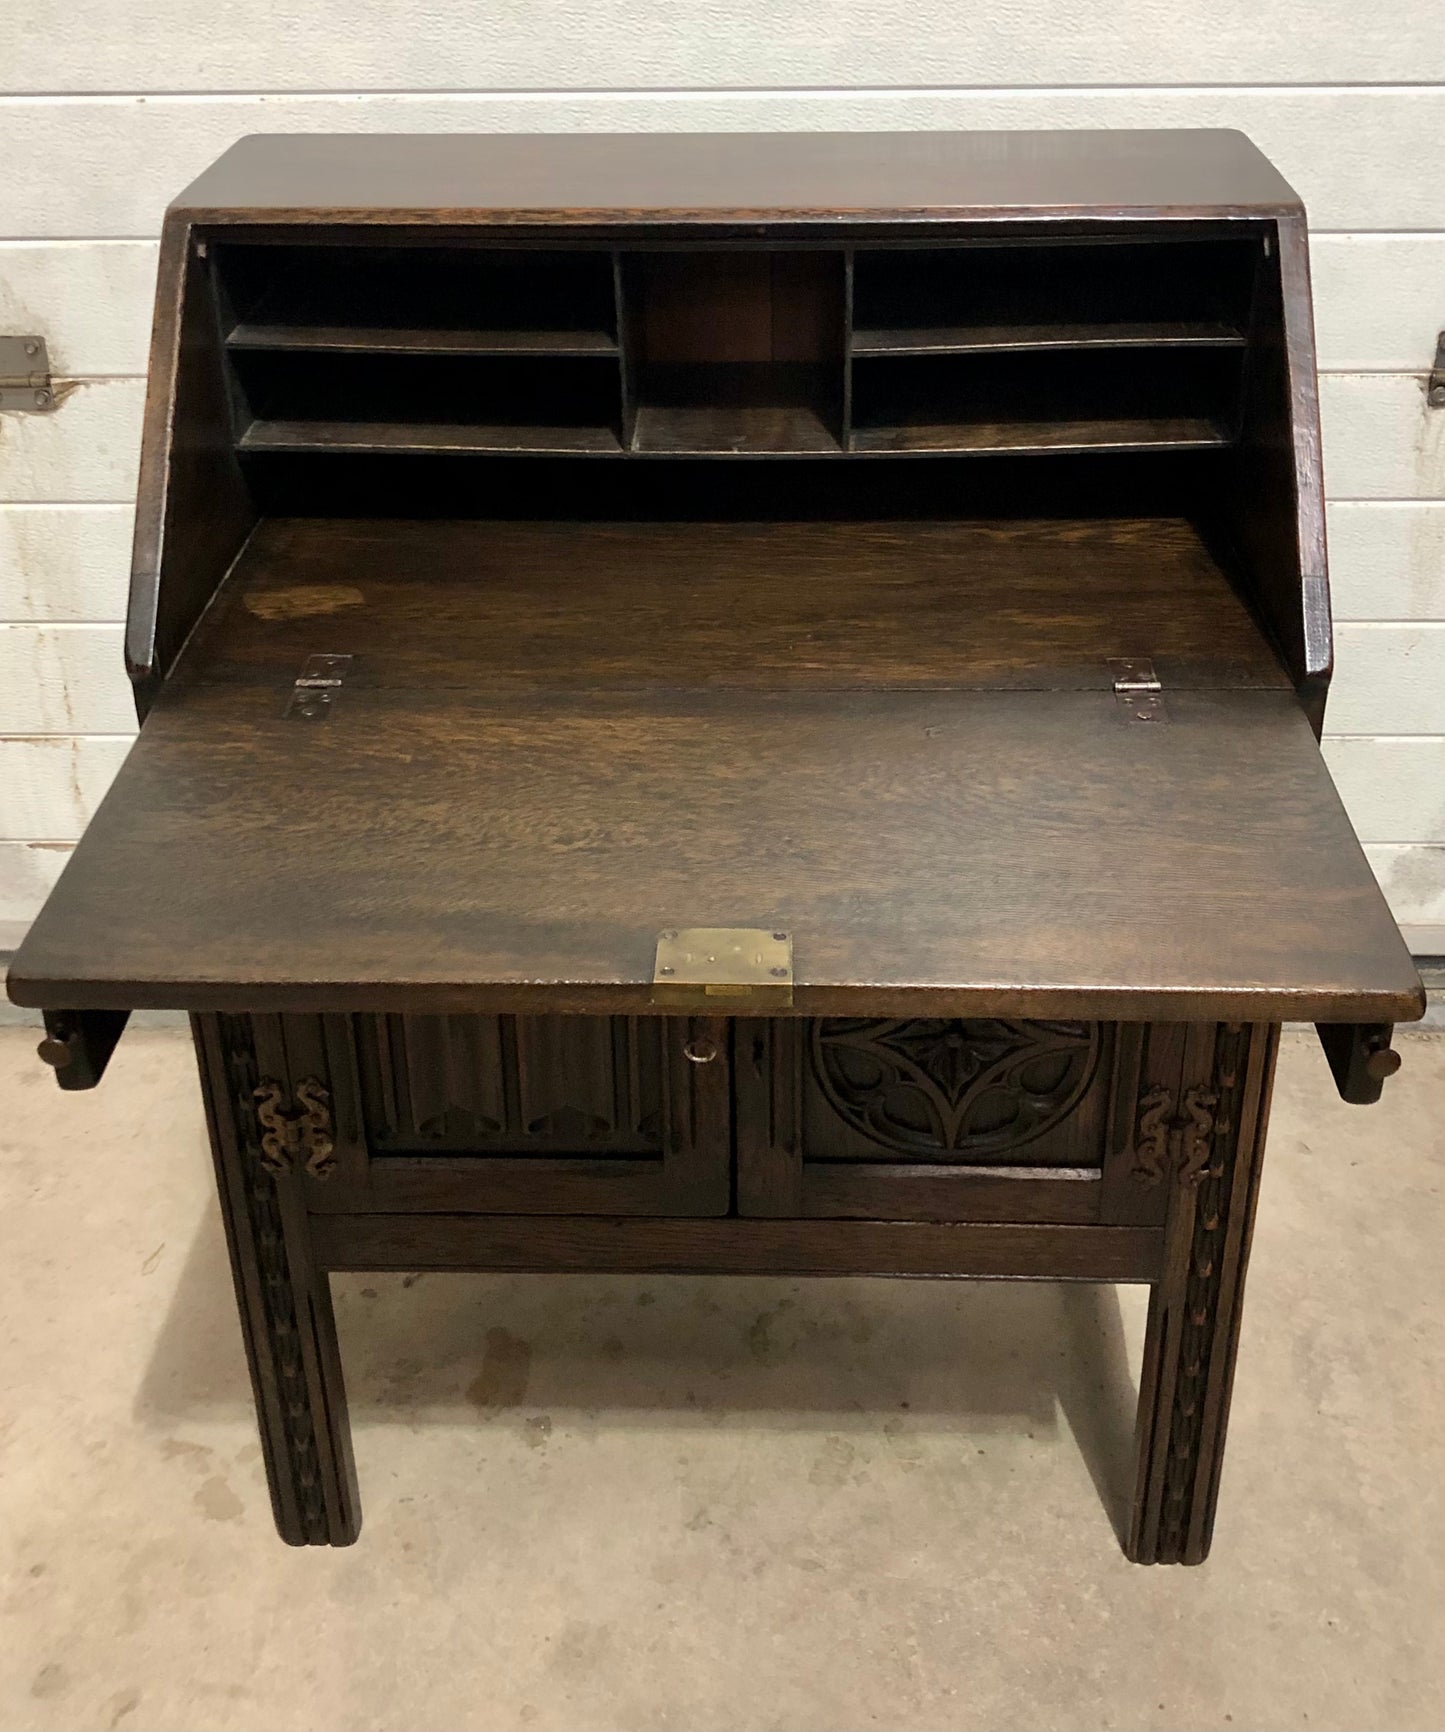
1194	1311
284	1301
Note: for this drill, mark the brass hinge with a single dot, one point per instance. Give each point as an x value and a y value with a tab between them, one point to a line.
297	1135
25	375
316	687
1182	1141
1138	689
723	967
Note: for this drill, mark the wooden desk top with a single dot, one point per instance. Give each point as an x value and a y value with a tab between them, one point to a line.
623	178
512	796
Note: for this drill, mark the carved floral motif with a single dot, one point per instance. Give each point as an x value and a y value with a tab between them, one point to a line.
924	1085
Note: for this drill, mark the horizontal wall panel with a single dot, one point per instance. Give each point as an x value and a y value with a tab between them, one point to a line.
1363	159
1393	789
326	45
64	562
86	448
64	680
1413	879
90	300
49	788
27	873
1381	438
1389	679
1387	561
1379	300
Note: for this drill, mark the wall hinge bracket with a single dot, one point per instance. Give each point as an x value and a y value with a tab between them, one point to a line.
25	375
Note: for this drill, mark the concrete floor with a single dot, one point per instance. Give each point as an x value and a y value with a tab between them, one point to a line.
735	1504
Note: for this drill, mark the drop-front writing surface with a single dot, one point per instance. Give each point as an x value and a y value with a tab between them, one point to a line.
909	549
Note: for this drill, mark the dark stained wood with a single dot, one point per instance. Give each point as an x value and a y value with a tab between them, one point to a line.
879	1190
1149	1060
1042	948
906	605
909	840
421	437
1195	1307
1138	433
438	179
78	1044
919	1119
1273	509
531	1116
193	511
395	340
1360	1058
738	1247
970	339
282	1293
738	428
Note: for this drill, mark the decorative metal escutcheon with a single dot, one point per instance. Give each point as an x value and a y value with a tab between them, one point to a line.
299	1135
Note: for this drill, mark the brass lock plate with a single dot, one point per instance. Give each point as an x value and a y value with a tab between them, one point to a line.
719	968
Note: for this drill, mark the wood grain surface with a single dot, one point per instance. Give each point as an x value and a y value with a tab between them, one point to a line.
619	176
1025	853
505	606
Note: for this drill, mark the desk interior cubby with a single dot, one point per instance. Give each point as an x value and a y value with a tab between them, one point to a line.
1075	345
356	348
978	347
735	352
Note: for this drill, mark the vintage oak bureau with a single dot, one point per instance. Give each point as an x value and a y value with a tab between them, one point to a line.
732	704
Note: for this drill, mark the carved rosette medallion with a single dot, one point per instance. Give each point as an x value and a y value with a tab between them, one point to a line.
924	1085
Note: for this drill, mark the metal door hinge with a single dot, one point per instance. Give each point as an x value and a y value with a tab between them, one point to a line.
705	967
1137	689
1435	384
300	1134
1181	1141
25	375
316	687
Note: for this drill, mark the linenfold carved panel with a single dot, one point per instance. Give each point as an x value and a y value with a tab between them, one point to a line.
521	1084
928	1086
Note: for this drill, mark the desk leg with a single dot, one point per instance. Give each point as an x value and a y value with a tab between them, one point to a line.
284	1302
1194	1310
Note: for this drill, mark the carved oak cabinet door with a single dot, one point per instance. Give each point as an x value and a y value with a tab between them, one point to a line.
614	1115
992	1119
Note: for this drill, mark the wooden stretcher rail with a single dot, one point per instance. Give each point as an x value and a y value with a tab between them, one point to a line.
730	1246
